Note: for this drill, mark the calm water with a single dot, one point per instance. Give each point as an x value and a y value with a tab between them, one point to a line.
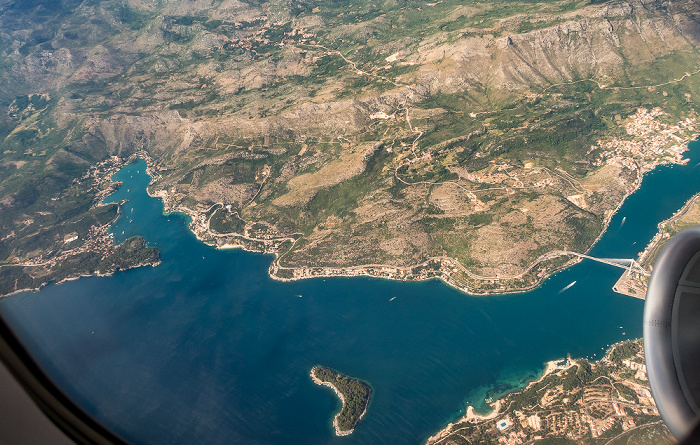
206	348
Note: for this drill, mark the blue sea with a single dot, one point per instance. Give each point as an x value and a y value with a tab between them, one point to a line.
206	348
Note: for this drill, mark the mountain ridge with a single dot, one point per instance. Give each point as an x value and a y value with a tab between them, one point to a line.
483	119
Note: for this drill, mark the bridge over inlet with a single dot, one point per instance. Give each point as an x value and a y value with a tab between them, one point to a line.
624	263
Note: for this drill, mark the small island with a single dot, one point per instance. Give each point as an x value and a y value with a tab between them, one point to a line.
353	393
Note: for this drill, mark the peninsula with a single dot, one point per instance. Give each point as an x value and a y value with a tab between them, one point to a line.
575	402
353	394
635	284
75	244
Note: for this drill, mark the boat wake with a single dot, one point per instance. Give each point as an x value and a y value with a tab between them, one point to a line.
567	287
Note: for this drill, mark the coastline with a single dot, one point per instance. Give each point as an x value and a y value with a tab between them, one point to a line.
557	368
74	277
551	367
389	273
103	237
386	271
338	431
199	225
472	416
402	273
660	238
466	281
450	270
445	276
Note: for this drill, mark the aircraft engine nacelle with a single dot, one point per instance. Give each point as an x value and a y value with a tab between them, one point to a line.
672	334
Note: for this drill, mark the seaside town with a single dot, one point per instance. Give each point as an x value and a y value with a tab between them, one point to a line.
652	141
576	400
97	239
79	247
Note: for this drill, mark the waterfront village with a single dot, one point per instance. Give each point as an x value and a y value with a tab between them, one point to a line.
96	240
653	142
574	400
79	246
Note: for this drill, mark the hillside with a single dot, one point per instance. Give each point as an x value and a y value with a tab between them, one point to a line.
474	141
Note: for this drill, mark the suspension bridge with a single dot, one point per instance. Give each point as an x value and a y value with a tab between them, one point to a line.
624	263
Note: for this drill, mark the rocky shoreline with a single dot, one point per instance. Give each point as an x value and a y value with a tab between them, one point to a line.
447	269
567	402
336	427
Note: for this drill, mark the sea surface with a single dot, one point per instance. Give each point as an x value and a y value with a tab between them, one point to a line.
206	348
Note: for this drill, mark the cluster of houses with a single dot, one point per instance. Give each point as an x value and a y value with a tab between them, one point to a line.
447	266
641	369
377	271
514	438
599	427
654	140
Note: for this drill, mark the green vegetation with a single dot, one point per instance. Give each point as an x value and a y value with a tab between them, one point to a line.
564	402
223	221
356	396
654	434
131	253
624	351
506	101
627	393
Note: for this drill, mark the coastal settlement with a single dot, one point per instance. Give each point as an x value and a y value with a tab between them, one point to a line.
645	140
76	245
575	401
